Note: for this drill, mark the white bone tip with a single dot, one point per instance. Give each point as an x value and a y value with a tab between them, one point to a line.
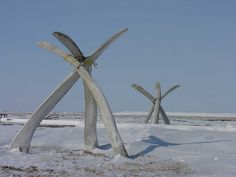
55	33
41	43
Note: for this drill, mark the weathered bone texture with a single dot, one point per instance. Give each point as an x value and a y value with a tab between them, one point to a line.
108	119
164	116
104	46
149	114
144	92
169	91
157	104
90	129
70	44
23	138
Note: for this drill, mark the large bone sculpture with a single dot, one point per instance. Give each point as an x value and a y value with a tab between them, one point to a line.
156	101
93	98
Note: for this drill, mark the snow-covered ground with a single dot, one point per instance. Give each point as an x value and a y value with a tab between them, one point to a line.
191	146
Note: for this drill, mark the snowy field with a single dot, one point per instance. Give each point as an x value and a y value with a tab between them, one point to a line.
193	145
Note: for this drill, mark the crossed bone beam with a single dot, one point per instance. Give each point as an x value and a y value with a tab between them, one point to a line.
90	128
153	100
23	139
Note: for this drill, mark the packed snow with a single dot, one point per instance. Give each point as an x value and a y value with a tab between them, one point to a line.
193	145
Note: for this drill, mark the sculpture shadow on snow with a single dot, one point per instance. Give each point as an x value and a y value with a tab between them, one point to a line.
157	142
104	147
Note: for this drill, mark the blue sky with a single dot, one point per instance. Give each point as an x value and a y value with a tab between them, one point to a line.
186	42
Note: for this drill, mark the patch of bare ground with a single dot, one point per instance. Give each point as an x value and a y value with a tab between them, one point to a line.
167	168
62	162
31	171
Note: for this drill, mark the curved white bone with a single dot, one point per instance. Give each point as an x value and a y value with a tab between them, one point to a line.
108	119
69	44
24	136
144	92
149	114
164	116
90	129
169	91
105	45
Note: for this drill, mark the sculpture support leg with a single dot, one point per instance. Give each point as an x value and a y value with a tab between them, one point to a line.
156	111
24	137
108	119
157	104
90	130
164	116
149	114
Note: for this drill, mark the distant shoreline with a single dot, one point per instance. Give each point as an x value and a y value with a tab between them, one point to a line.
178	115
